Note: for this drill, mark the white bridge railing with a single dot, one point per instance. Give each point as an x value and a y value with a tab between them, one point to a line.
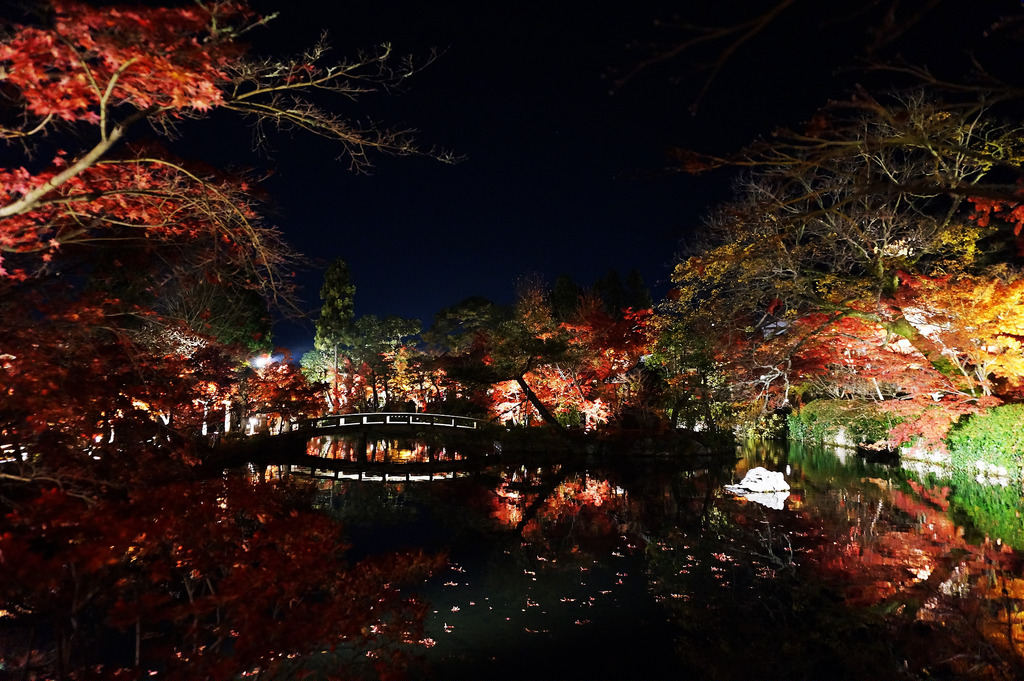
391	419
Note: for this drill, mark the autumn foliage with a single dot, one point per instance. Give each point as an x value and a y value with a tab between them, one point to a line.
874	260
171	59
133	285
109	70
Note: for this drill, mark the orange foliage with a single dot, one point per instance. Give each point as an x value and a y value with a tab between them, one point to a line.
977	321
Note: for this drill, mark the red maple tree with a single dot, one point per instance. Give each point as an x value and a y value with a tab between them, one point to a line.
119	555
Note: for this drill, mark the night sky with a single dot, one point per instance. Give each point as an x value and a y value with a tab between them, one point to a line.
560	176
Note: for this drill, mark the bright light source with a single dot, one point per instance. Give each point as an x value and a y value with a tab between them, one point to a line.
261	361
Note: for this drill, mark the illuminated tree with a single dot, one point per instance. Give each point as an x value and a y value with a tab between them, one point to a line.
539	365
334	327
812	280
604	378
118	263
496	349
694	391
378	352
822	231
278	393
977	321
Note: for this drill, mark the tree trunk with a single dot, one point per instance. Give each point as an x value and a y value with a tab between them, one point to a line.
903	328
545	414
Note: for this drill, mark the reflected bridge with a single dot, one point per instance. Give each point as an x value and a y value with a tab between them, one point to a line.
338	469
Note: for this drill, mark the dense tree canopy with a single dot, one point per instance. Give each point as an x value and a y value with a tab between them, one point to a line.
844	262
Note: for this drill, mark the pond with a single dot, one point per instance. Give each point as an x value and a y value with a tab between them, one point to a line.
648	568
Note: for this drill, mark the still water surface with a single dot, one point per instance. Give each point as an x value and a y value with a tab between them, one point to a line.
649	569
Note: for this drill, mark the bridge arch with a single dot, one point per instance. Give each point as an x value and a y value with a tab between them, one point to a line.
340	422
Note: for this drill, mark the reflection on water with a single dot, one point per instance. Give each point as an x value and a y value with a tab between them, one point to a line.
649	569
379	450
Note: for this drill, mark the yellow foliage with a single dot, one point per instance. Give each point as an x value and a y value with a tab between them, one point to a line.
841	290
959	246
979	322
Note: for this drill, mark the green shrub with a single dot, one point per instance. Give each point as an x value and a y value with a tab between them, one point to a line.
833	421
995	438
798	430
991	510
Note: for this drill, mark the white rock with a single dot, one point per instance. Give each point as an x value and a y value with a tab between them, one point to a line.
760	480
762	486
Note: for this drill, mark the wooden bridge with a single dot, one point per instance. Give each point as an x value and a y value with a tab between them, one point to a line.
325	425
289	447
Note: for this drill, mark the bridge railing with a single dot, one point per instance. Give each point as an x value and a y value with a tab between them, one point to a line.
337	421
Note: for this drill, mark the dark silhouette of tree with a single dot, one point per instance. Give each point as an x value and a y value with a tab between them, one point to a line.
637	295
565	298
610	290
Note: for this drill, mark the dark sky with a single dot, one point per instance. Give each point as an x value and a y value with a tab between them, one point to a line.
559	176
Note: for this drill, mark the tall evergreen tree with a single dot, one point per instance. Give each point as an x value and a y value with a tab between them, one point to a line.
335	326
335	329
